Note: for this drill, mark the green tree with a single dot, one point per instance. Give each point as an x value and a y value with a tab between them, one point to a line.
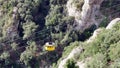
28	57
29	29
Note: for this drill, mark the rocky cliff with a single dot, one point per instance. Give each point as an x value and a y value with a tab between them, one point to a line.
89	15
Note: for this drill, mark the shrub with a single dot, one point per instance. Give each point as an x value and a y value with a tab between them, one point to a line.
29	29
97	61
14	46
71	64
115	64
28	57
114	51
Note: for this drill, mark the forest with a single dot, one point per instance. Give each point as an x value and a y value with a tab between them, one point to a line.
86	33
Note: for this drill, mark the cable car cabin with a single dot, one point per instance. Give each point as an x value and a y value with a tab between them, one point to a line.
50	46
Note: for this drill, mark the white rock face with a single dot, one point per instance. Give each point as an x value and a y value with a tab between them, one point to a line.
15	9
81	64
72	9
89	15
90	11
112	23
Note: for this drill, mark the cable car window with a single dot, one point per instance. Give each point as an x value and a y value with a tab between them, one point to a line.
50	42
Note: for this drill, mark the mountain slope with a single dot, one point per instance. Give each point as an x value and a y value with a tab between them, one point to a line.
99	51
26	25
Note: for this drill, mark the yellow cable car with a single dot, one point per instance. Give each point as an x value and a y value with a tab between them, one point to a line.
49	46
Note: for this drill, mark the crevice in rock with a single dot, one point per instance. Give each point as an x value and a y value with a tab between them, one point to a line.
39	17
20	29
87	33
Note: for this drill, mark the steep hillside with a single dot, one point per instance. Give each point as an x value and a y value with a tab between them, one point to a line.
26	25
100	51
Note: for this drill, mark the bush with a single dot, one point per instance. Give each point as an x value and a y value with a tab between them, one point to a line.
114	51
71	64
54	17
91	49
29	29
28	57
115	64
97	61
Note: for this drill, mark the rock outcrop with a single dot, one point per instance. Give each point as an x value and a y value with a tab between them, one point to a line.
89	15
112	23
72	9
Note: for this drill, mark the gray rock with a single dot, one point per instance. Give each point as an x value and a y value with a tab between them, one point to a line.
112	23
87	17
